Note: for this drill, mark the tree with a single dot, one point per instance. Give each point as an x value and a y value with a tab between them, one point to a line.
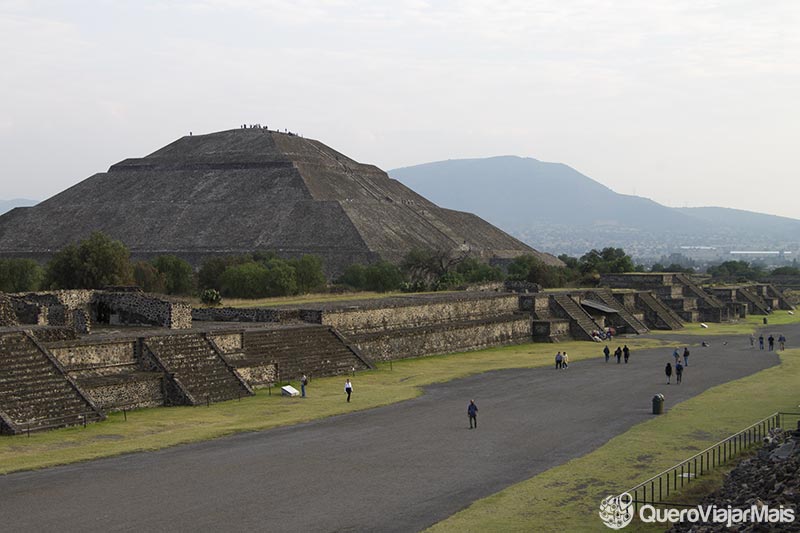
309	274
178	274
247	280
383	277
532	269
474	271
93	263
736	269
606	261
281	278
20	275
355	276
149	278
786	271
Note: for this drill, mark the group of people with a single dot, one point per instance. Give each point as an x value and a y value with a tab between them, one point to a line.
562	360
770	341
619	353
606	334
680	362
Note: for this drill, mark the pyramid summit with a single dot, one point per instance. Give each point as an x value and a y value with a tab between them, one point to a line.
251	189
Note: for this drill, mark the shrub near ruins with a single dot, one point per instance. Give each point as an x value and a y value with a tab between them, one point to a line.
93	263
20	275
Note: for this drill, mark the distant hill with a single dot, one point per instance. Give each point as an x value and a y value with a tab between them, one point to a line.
557	209
8	205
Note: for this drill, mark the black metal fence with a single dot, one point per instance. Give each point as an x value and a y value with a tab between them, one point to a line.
656	489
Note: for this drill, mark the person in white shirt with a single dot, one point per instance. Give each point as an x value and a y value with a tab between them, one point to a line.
348	388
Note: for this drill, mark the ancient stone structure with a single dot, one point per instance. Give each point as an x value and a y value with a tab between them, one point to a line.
252	189
687	299
415	325
79	309
7	315
35	390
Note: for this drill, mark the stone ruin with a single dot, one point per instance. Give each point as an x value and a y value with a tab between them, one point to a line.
72	358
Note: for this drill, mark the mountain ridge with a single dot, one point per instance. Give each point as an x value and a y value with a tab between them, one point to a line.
549	204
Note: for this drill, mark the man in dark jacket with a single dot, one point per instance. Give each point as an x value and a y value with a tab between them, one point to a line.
472	413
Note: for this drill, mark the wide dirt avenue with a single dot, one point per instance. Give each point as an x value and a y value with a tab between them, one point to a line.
397	468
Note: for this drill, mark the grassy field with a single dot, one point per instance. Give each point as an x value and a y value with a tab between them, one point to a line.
150	429
740	327
566	498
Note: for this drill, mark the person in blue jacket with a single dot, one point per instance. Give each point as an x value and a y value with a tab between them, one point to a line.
472	413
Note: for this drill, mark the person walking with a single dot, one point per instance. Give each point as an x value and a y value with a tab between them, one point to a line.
782	342
607	352
752	341
618	354
668	372
676	355
348	388
472	413
771	341
559	360
626	352
565	361
686	355
303	383
678	373
761	341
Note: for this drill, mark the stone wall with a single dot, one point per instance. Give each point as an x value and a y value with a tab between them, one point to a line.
244	314
7	315
142	391
227	342
443	338
76	354
550	330
366	319
258	375
538	304
52	308
132	308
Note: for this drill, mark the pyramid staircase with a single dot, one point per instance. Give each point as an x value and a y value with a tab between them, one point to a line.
662	316
311	350
35	391
607	297
698	292
580	322
756	304
197	368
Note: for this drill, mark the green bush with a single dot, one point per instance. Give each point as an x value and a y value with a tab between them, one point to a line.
149	278
92	263
178	274
383	277
309	274
20	275
354	276
211	297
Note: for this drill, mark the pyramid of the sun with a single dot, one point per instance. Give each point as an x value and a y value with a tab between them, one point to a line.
251	189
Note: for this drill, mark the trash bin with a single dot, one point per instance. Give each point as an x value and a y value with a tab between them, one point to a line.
765	320
658	404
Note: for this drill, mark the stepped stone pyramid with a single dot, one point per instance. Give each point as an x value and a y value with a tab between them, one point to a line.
249	189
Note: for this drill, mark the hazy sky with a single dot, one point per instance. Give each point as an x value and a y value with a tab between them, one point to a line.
688	102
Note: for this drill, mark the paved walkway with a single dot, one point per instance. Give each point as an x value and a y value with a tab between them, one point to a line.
397	468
